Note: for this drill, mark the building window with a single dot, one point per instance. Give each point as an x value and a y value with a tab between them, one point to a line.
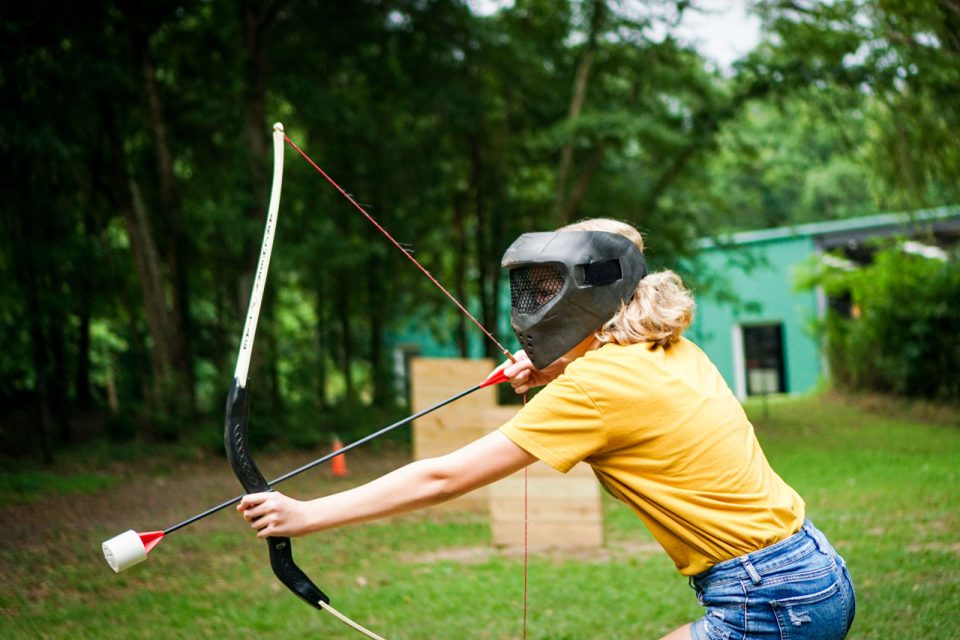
763	359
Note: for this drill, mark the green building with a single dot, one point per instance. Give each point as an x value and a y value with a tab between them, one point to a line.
751	319
756	325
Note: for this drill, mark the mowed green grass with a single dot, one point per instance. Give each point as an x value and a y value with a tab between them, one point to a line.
880	481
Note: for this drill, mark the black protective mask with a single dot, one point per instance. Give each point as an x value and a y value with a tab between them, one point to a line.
564	285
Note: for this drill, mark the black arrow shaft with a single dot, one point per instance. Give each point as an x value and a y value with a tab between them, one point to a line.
333	454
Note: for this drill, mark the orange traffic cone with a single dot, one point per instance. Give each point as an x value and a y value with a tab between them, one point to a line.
338	464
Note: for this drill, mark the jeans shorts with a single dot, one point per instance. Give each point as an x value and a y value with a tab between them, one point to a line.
796	588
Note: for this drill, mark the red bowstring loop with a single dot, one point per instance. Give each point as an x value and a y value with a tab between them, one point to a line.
399	246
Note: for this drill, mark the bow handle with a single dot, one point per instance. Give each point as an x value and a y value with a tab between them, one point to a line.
253	481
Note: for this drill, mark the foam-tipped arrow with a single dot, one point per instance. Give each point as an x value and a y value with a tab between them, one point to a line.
130	547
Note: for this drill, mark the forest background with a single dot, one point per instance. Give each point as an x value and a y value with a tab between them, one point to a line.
135	143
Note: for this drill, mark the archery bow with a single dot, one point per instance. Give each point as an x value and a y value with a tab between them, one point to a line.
131	547
238	412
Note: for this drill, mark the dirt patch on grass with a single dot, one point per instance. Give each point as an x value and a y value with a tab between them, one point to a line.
888	406
480	554
153	495
938	547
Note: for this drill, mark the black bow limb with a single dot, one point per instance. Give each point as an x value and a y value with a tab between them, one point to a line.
238	401
253	481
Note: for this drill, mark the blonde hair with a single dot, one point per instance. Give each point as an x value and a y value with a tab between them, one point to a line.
659	310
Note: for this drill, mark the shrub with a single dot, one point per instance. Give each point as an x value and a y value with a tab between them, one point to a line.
903	335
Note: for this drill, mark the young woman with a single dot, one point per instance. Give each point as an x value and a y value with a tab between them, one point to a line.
626	393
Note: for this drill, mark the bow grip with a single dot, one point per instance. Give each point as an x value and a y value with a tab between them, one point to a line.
246	470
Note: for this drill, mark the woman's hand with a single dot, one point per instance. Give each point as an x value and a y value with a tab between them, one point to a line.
523	376
273	514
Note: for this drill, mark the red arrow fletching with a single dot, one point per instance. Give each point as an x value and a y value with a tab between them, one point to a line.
494	378
150	539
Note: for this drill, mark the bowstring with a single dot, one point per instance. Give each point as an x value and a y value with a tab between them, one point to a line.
526	525
347	621
464	310
399	246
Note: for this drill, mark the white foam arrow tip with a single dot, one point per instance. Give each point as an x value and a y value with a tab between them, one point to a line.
130	548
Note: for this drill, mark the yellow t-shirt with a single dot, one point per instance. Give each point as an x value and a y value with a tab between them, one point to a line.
665	435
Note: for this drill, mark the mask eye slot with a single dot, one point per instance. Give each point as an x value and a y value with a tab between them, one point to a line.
532	286
601	273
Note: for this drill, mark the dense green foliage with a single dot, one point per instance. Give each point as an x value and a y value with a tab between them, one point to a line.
903	335
877	479
136	139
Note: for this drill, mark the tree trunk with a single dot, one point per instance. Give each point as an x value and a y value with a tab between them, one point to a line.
56	323
254	97
460	270
378	298
562	211
44	419
81	380
322	341
487	271
168	385
579	189
379	309
26	270
173	232
378	306
170	223
149	270
346	339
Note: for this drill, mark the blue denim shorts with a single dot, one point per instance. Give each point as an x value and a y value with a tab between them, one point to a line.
796	589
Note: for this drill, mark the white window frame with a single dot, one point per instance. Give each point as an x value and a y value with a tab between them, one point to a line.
739	363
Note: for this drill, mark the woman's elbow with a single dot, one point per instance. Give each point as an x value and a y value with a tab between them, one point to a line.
443	480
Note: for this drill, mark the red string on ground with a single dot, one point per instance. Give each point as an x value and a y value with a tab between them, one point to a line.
400	247
526	495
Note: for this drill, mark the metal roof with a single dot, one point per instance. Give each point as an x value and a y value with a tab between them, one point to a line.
839	232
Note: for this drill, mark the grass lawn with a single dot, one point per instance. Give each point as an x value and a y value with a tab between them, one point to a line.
883	481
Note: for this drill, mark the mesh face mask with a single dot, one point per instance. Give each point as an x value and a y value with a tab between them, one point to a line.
532	286
565	285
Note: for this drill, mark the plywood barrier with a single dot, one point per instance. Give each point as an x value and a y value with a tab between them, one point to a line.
457	424
562	509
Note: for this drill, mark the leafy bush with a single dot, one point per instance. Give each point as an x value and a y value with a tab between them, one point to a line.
902	335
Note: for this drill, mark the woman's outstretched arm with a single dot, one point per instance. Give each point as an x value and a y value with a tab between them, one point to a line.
420	484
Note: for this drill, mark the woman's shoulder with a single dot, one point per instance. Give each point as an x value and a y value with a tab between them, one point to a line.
614	361
642	362
614	354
